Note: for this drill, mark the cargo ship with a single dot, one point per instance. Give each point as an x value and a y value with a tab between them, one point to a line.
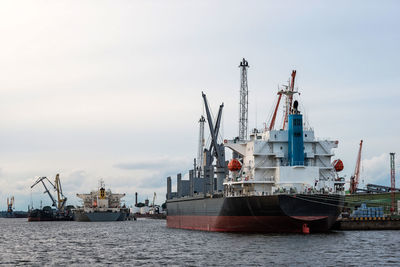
278	180
101	205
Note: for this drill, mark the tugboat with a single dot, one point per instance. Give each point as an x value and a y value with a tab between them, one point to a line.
101	205
279	181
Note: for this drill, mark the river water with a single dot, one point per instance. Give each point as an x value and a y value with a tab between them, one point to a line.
149	242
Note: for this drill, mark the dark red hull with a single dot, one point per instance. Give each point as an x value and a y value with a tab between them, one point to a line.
263	214
257	224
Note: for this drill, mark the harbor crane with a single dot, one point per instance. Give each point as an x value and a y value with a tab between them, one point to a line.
10	204
153	209
356	176
215	149
61	199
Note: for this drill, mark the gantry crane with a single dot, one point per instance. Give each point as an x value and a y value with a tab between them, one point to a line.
61	199
356	176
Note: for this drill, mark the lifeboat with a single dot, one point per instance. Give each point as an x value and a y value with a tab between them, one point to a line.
338	165
234	165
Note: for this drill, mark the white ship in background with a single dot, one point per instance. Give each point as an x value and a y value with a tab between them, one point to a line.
101	205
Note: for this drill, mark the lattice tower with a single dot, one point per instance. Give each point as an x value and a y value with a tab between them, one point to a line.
392	180
244	100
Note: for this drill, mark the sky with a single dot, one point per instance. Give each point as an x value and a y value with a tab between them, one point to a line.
112	89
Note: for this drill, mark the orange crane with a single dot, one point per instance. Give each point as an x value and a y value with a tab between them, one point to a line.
355	178
271	126
10	204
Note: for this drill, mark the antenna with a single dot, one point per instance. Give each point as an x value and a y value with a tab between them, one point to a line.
244	100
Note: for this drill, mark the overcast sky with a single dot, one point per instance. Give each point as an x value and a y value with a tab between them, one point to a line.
112	89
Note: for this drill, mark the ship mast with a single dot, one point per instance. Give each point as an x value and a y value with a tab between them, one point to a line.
244	100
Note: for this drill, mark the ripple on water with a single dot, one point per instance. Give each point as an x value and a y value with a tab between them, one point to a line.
149	242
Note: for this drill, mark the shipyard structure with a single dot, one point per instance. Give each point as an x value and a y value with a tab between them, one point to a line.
278	180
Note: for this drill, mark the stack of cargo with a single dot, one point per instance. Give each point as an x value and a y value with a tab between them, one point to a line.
367	212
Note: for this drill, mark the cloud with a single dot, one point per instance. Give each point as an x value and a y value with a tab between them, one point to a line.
154	171
107	96
376	170
153	164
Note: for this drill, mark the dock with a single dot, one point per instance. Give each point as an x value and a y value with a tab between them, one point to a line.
385	223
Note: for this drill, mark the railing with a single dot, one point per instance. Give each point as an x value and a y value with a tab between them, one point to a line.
296	163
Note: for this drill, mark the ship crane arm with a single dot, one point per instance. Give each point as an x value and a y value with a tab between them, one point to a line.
214	131
271	126
60	196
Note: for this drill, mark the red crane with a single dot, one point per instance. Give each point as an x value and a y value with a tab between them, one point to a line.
393	181
355	178
271	126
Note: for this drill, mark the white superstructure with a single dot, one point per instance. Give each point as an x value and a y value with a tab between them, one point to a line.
101	200
266	167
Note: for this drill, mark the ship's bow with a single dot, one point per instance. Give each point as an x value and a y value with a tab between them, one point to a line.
315	212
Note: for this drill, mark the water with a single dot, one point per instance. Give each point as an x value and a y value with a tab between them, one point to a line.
149	242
